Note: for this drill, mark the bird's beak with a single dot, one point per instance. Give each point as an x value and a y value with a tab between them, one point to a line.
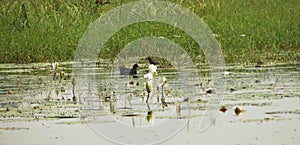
155	73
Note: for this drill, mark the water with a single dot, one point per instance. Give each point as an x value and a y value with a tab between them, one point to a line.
269	96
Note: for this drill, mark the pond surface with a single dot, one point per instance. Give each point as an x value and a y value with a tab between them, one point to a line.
260	105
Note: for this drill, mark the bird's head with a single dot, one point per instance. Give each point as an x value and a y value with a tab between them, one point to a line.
135	66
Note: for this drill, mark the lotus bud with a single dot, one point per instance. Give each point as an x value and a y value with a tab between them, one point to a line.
148	86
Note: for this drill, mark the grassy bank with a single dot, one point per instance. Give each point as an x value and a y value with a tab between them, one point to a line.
248	31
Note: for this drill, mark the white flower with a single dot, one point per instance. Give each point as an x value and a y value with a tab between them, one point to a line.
148	76
55	66
152	68
225	73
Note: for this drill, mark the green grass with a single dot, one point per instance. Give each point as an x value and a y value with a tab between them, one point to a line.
260	31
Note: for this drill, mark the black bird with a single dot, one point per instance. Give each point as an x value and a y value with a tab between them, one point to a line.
127	71
151	61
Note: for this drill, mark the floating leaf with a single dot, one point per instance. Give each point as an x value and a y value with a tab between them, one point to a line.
131	115
164	105
223	109
239	110
10	92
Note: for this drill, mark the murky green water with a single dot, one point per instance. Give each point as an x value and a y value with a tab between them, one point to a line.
267	94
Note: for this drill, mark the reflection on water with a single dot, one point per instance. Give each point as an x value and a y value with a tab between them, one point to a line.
124	97
28	92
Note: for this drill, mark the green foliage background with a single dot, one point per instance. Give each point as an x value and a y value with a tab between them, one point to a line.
248	31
